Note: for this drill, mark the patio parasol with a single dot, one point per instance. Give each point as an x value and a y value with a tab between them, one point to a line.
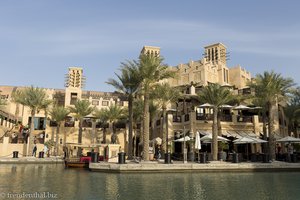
208	138
248	140
186	138
241	107
289	139
206	105
198	143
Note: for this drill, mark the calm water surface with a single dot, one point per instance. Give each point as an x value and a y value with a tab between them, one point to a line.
81	184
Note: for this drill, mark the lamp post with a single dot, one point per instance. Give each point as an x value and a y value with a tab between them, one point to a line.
184	147
167	153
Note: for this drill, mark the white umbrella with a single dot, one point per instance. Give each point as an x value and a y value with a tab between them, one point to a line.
208	138
241	107
258	140
289	139
244	140
197	143
186	138
206	105
226	106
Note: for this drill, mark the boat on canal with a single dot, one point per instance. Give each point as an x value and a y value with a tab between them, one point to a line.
89	153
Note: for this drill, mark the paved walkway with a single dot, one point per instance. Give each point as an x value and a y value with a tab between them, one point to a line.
31	160
214	166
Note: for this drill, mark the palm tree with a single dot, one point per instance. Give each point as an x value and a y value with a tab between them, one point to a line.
81	109
273	88
128	83
165	94
138	107
34	98
59	114
151	70
215	95
114	113
292	111
101	115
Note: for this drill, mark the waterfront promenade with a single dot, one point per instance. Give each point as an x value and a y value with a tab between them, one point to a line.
177	166
31	160
161	167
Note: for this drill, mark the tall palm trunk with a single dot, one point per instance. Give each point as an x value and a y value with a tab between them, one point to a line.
219	123
104	135
271	132
65	137
56	138
264	118
164	136
31	135
93	131
215	134
80	137
146	126
130	135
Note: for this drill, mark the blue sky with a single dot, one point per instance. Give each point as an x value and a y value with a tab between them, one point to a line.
39	40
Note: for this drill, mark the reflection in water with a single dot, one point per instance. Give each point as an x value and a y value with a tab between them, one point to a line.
82	184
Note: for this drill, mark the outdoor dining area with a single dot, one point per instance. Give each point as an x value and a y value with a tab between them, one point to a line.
244	147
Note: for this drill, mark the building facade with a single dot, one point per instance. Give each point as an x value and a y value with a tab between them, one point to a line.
187	114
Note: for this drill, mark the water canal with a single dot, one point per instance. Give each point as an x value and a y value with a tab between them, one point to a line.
59	183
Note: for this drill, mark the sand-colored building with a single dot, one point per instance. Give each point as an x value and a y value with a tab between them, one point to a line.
186	114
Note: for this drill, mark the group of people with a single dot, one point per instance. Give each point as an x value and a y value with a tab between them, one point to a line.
45	150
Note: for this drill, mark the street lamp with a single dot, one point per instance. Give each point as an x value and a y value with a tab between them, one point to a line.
167	153
184	147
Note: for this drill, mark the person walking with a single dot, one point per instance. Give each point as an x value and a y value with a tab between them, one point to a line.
34	150
45	150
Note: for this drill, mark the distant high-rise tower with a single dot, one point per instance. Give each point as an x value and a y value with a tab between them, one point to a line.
216	53
149	50
74	82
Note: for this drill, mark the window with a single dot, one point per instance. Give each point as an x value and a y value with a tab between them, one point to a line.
73	98
69	122
39	123
120	103
95	102
105	103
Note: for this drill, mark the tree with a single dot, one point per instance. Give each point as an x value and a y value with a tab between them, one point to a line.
164	94
34	98
215	95
114	113
292	112
128	83
59	114
152	71
81	109
272	88
101	115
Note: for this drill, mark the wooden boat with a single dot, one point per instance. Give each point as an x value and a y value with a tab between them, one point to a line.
79	162
82	162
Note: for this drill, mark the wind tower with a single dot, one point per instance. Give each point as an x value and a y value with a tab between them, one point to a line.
150	50
216	53
74	82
